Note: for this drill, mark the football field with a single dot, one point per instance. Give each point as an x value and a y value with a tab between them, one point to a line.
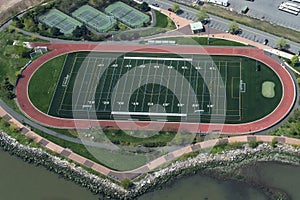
162	87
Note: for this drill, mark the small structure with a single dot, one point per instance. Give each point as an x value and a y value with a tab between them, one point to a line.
219	2
244	10
197	27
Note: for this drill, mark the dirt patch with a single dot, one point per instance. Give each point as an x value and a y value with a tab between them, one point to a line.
9	8
5	4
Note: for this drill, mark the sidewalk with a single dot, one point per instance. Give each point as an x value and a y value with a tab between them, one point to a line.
179	21
120	175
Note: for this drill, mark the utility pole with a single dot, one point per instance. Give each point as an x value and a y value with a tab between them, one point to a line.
208	30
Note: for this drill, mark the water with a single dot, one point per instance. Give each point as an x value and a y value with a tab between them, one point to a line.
21	180
284	177
276	175
201	187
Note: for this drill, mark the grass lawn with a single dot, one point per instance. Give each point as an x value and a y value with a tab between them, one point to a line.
268	89
162	21
41	89
67	132
11	60
202	41
156	139
113	160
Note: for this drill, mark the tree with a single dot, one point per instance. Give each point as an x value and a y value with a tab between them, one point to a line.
295	60
233	28
145	7
80	31
281	43
202	15
55	31
176	8
18	22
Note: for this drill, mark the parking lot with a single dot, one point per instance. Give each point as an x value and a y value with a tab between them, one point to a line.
268	10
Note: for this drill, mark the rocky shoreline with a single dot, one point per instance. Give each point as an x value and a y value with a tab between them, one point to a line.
222	164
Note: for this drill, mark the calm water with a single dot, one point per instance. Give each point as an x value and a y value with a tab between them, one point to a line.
20	180
285	177
200	187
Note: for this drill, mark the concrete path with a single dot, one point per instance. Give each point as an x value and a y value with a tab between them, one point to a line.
121	175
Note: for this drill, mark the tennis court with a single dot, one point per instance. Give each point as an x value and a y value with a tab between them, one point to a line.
56	18
128	15
94	18
147	86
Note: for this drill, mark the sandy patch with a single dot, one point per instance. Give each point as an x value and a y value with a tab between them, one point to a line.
5	4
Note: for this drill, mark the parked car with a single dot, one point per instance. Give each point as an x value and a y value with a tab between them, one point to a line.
155	4
170	9
266	41
205	21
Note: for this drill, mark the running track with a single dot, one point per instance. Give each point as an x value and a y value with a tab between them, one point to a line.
285	105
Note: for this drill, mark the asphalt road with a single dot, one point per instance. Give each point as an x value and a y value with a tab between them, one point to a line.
222	24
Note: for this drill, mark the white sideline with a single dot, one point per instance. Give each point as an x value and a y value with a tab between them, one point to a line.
154	58
148	114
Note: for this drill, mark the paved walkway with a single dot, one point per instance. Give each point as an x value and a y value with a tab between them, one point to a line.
227	36
289	93
121	175
179	21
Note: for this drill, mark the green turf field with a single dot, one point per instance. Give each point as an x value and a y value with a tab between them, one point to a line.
162	87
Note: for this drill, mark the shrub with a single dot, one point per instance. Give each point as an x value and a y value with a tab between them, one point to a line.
126	183
253	144
274	142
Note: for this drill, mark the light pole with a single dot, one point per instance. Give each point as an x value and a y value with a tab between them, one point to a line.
208	23
88	109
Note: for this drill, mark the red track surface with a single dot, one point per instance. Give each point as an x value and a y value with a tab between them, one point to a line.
282	109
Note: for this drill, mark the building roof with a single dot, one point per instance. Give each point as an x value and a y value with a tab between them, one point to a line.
196	26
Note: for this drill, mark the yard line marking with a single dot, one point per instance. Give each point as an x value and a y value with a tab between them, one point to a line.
57	83
145	90
103	78
66	88
91	81
81	85
116	86
125	83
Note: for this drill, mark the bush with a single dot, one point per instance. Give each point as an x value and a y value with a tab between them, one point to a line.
253	144
274	143
126	183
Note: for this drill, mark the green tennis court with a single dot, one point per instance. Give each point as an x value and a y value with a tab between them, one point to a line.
128	15
94	18
56	18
